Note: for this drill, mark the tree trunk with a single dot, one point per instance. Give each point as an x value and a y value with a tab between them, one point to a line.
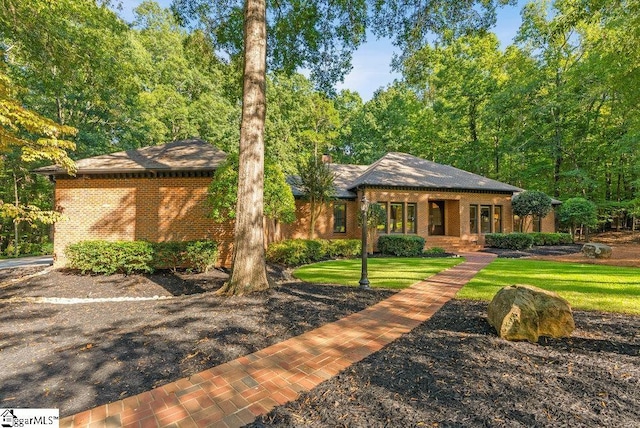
249	272
16	223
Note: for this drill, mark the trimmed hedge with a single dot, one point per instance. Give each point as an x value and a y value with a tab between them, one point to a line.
104	257
295	252
401	245
541	239
511	241
522	241
435	251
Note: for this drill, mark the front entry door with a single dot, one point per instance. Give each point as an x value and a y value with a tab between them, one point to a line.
436	217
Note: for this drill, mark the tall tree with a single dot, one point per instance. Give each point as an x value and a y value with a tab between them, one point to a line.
73	55
35	138
318	34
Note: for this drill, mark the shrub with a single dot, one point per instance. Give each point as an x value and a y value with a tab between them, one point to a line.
103	257
541	239
401	245
111	257
344	248
200	255
511	241
295	252
435	251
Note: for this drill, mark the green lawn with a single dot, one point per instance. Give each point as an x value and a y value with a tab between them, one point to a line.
383	272
590	287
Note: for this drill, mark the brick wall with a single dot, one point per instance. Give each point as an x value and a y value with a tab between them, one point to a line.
456	207
175	208
152	209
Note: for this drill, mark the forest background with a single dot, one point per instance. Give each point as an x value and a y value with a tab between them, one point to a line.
555	111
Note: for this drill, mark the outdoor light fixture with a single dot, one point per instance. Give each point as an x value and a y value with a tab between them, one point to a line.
364	206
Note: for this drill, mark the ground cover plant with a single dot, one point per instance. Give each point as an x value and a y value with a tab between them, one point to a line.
393	272
585	286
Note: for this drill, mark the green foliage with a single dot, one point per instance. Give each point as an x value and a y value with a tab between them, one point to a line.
434	251
316	181
578	211
541	239
348	248
295	252
511	241
104	257
531	203
279	203
401	245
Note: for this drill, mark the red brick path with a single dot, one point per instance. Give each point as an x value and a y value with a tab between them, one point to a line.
234	393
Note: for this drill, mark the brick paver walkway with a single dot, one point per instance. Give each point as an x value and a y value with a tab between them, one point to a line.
234	393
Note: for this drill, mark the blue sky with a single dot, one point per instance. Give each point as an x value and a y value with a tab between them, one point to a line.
372	61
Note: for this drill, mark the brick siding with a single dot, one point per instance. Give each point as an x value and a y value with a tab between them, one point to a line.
175	209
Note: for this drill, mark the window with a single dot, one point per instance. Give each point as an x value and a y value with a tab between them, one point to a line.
382	228
485	218
497	219
339	217
473	218
396	225
411	218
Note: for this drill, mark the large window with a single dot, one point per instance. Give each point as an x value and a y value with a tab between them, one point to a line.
411	218
473	218
485	218
339	217
396	217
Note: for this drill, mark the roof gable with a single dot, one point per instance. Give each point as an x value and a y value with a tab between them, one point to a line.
183	155
403	170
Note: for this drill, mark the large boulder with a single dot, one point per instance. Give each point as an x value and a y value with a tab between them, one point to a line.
525	312
596	251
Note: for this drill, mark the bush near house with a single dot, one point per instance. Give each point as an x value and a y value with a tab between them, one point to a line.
104	257
296	252
522	241
541	239
511	241
401	245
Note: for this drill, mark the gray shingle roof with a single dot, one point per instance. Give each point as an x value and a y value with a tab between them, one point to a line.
403	170
184	155
344	174
392	170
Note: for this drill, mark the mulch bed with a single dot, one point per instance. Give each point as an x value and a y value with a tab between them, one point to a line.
453	371
75	357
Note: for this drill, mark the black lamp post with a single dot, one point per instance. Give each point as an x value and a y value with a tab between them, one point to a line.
364	207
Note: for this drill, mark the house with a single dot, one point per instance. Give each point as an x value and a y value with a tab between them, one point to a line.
159	193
